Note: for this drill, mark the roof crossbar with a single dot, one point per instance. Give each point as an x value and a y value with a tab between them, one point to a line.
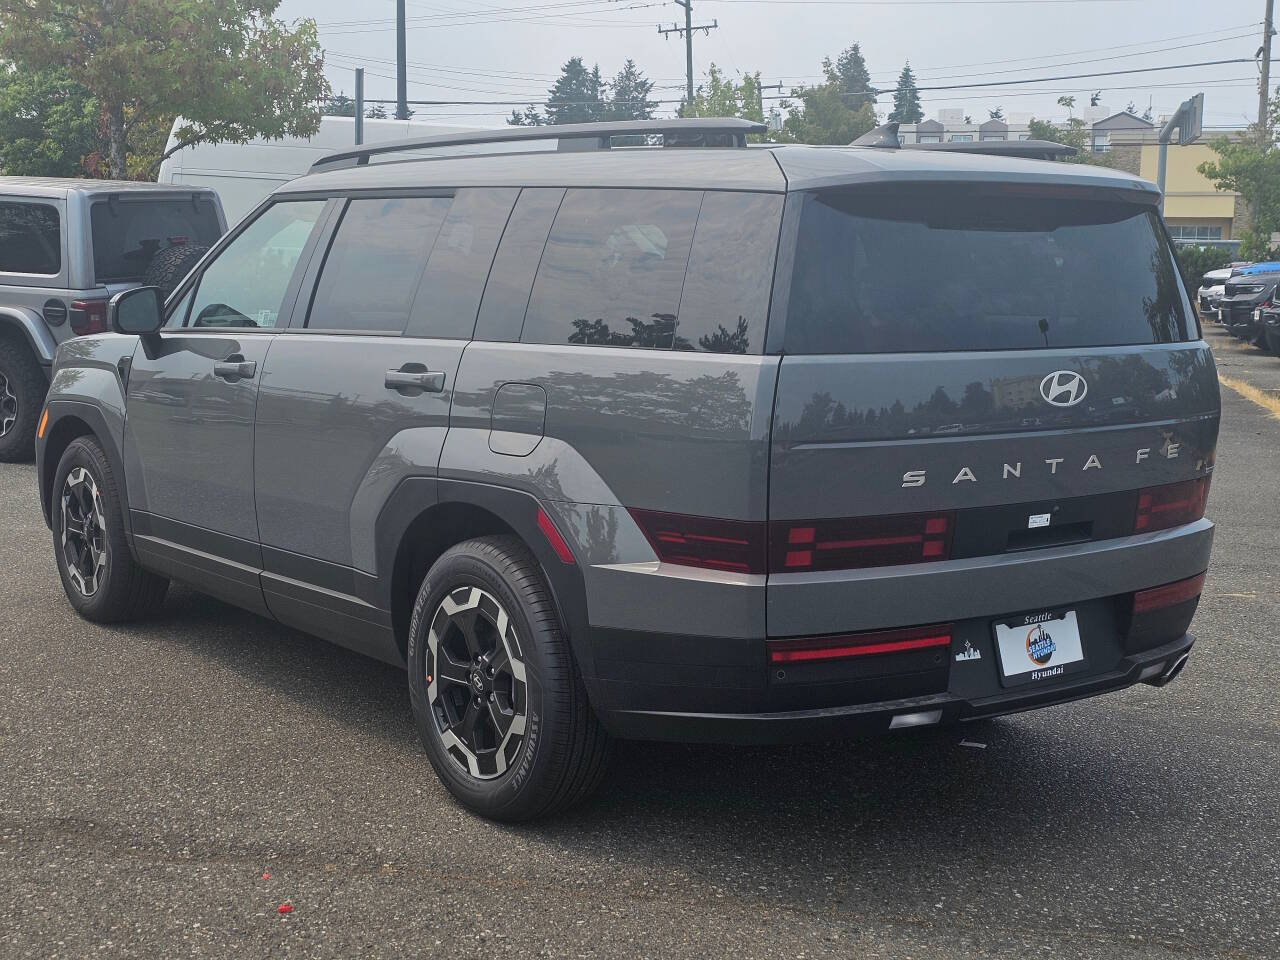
885	137
690	132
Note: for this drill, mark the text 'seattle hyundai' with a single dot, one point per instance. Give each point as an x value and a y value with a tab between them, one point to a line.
671	440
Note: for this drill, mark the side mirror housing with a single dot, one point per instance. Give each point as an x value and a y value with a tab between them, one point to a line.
139	312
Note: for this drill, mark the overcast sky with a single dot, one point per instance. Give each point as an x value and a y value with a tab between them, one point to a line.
513	49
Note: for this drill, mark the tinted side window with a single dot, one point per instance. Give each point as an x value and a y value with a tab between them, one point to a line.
613	268
726	291
375	262
29	238
127	234
507	293
449	294
245	285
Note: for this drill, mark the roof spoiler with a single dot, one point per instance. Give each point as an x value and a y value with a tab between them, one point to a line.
885	136
691	132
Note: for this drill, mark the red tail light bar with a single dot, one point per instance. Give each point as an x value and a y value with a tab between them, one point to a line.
796	546
845	646
1171	505
1169	595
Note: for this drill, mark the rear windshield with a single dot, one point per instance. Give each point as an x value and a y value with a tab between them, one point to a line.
956	269
127	234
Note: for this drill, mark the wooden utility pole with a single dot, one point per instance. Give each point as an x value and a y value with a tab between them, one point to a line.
687	30
1264	82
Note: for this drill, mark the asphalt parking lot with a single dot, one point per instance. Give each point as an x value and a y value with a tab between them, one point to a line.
164	788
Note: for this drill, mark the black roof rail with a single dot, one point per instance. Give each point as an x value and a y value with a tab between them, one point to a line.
885	137
690	132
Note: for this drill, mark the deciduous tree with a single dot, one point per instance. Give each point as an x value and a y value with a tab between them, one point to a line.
48	124
227	67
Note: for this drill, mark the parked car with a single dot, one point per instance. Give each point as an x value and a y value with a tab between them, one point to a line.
613	442
1269	324
65	247
1242	296
1210	292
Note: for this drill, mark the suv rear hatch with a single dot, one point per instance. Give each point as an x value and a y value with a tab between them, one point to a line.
129	229
971	371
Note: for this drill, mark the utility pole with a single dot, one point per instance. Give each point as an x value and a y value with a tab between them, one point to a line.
1264	82
761	89
402	80
359	125
687	30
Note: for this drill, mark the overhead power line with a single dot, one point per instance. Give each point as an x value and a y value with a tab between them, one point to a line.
1082	76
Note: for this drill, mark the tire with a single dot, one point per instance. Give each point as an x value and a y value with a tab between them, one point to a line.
22	390
543	762
170	265
101	579
1273	341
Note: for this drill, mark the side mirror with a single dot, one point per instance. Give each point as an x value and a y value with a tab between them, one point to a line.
139	311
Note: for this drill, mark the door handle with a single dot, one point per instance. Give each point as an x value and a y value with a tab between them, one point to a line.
414	377
235	367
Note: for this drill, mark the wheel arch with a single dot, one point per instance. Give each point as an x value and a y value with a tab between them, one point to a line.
424	517
26	327
69	420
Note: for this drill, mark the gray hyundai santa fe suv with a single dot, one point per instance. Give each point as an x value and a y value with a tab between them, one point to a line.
705	441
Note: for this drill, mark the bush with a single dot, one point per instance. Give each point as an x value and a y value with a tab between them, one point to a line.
1195	262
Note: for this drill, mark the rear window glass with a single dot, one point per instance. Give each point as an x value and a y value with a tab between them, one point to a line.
127	234
29	238
956	269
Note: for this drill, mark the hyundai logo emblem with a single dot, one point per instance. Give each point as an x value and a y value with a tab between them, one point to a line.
1063	388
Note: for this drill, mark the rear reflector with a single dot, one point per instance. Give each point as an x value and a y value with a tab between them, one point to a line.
845	646
548	528
735	546
88	316
1170	595
804	545
1171	505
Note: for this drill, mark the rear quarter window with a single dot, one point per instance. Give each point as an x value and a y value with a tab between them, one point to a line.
30	239
957	268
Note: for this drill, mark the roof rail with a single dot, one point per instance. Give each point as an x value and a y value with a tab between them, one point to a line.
691	132
885	137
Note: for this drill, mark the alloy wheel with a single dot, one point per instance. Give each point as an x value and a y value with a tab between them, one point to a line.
8	405
84	526
476	682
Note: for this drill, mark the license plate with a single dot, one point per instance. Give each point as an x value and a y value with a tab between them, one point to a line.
1039	647
1257	314
1221	318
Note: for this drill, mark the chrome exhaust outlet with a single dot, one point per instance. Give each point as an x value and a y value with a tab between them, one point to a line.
1171	673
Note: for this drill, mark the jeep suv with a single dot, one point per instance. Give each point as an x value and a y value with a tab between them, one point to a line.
663	443
65	247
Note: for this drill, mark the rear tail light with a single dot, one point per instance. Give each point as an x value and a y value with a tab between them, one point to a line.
1171	505
88	316
845	646
797	546
735	546
1170	595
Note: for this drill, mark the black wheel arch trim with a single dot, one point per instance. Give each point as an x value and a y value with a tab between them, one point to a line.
60	410
518	510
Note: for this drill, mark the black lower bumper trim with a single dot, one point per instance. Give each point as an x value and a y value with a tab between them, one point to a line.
830	723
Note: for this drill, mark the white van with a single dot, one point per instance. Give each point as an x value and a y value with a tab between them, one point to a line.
244	173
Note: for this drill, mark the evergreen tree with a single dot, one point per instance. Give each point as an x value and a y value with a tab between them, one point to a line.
906	99
996	114
826	113
576	95
340	105
629	95
854	78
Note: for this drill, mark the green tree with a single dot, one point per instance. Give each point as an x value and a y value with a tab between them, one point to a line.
718	97
1075	133
576	96
228	67
48	124
996	114
1250	167
339	105
854	78
906	99
629	95
826	113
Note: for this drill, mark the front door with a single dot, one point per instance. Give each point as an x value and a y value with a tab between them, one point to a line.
191	401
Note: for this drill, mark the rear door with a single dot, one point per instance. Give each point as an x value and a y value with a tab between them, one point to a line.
968	374
356	396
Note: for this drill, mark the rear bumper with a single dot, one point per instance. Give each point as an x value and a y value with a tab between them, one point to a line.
841	721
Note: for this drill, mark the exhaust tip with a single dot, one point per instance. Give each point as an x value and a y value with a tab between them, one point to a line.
1171	674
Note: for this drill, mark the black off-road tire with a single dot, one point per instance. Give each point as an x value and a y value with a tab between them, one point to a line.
170	265
125	591
22	390
565	751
